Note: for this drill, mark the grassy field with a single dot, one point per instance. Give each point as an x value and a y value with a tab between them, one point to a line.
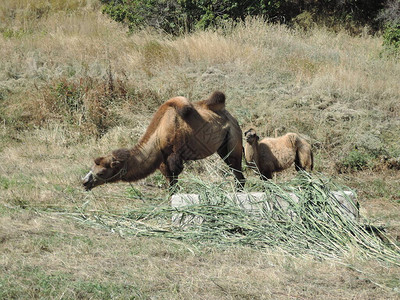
74	85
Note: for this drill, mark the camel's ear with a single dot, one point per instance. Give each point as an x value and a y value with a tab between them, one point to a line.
115	164
98	160
121	154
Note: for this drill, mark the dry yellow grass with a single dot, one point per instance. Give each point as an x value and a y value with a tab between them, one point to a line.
67	260
333	88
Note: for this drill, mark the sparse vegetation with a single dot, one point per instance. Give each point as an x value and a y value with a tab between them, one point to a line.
74	84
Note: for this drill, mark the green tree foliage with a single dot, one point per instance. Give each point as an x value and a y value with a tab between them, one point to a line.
204	13
390	16
176	16
391	38
165	14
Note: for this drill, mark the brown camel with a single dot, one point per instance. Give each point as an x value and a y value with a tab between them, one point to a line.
277	154
179	131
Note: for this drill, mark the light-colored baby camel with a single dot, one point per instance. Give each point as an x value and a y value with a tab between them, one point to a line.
271	155
179	131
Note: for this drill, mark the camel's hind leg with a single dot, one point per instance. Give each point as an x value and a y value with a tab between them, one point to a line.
232	156
304	158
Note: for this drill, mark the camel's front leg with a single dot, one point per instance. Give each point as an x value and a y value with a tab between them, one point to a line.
171	167
266	170
233	158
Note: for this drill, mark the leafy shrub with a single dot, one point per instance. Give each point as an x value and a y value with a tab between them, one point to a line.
390	17
166	15
391	38
68	97
177	16
85	103
355	161
207	13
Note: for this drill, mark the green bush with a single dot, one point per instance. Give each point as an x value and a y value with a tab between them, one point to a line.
355	161
391	38
177	16
166	15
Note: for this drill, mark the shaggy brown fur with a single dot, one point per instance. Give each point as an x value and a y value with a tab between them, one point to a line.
277	154
178	131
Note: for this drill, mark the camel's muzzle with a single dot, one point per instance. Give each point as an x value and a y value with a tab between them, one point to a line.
88	181
250	137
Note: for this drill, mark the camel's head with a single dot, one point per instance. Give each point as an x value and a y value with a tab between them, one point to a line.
251	136
110	168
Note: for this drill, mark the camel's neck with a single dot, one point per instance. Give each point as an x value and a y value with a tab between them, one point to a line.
145	159
251	153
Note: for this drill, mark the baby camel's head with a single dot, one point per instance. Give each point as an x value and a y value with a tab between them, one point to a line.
251	136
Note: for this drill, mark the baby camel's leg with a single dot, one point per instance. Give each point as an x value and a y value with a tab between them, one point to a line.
266	174
267	168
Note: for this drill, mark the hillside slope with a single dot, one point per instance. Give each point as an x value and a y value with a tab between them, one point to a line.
74	85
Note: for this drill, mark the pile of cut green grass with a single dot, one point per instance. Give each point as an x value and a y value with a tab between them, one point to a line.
315	225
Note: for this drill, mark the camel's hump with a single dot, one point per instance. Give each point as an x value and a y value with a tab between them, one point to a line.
216	102
182	106
178	102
